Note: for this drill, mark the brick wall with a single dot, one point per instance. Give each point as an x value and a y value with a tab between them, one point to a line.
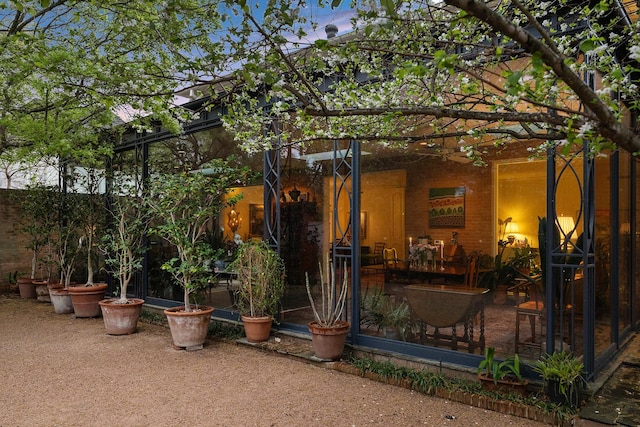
477	233
13	254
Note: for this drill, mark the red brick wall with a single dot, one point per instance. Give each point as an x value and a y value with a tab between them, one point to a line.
13	254
477	233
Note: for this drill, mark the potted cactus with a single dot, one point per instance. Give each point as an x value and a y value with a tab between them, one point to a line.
328	330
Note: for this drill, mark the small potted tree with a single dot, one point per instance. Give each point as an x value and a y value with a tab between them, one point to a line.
328	331
183	206
124	247
562	374
66	244
260	271
86	183
38	221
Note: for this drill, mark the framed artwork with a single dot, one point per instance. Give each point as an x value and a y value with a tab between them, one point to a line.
446	207
363	225
256	220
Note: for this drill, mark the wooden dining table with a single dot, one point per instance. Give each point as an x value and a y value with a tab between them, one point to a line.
442	306
451	273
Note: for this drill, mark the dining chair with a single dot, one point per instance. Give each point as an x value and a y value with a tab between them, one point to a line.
531	309
473	270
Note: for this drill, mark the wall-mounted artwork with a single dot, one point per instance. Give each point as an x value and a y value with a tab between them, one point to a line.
256	220
446	207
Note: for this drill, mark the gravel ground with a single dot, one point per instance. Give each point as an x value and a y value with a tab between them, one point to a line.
62	371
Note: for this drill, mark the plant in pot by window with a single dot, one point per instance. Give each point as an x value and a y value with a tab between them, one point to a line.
124	247
86	182
562	374
522	259
65	241
183	206
260	271
502	376
39	217
385	312
328	331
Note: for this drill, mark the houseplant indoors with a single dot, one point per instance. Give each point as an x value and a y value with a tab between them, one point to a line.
386	313
501	376
562	373
183	206
328	331
260	271
124	247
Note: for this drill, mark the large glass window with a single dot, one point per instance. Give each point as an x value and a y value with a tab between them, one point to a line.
189	153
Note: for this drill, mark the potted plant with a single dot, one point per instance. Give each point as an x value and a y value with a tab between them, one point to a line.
521	259
501	376
86	183
387	313
66	244
38	221
562	373
395	318
124	248
328	331
183	205
260	271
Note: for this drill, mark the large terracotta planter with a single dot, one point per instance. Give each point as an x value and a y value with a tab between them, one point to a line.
257	329
121	318
27	288
328	343
189	329
61	300
85	299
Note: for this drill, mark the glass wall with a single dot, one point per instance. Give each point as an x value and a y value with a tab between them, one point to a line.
602	242
624	241
189	153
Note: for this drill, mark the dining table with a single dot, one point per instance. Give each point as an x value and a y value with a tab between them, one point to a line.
444	307
449	273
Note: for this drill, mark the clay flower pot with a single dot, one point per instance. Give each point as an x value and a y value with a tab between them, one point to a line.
189	329
121	318
61	300
27	288
257	329
85	299
328	342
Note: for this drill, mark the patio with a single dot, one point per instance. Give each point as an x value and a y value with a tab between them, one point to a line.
59	370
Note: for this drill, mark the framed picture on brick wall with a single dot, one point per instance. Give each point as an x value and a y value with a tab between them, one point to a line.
446	207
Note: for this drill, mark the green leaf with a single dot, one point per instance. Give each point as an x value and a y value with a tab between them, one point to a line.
587	45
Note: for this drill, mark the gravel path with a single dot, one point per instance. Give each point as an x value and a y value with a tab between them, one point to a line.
61	371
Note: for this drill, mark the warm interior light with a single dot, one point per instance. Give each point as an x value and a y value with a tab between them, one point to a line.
567	225
625	228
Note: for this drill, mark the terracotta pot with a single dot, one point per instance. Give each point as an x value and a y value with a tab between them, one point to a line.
189	329
328	343
119	318
42	290
55	285
257	329
27	288
85	299
61	300
503	386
